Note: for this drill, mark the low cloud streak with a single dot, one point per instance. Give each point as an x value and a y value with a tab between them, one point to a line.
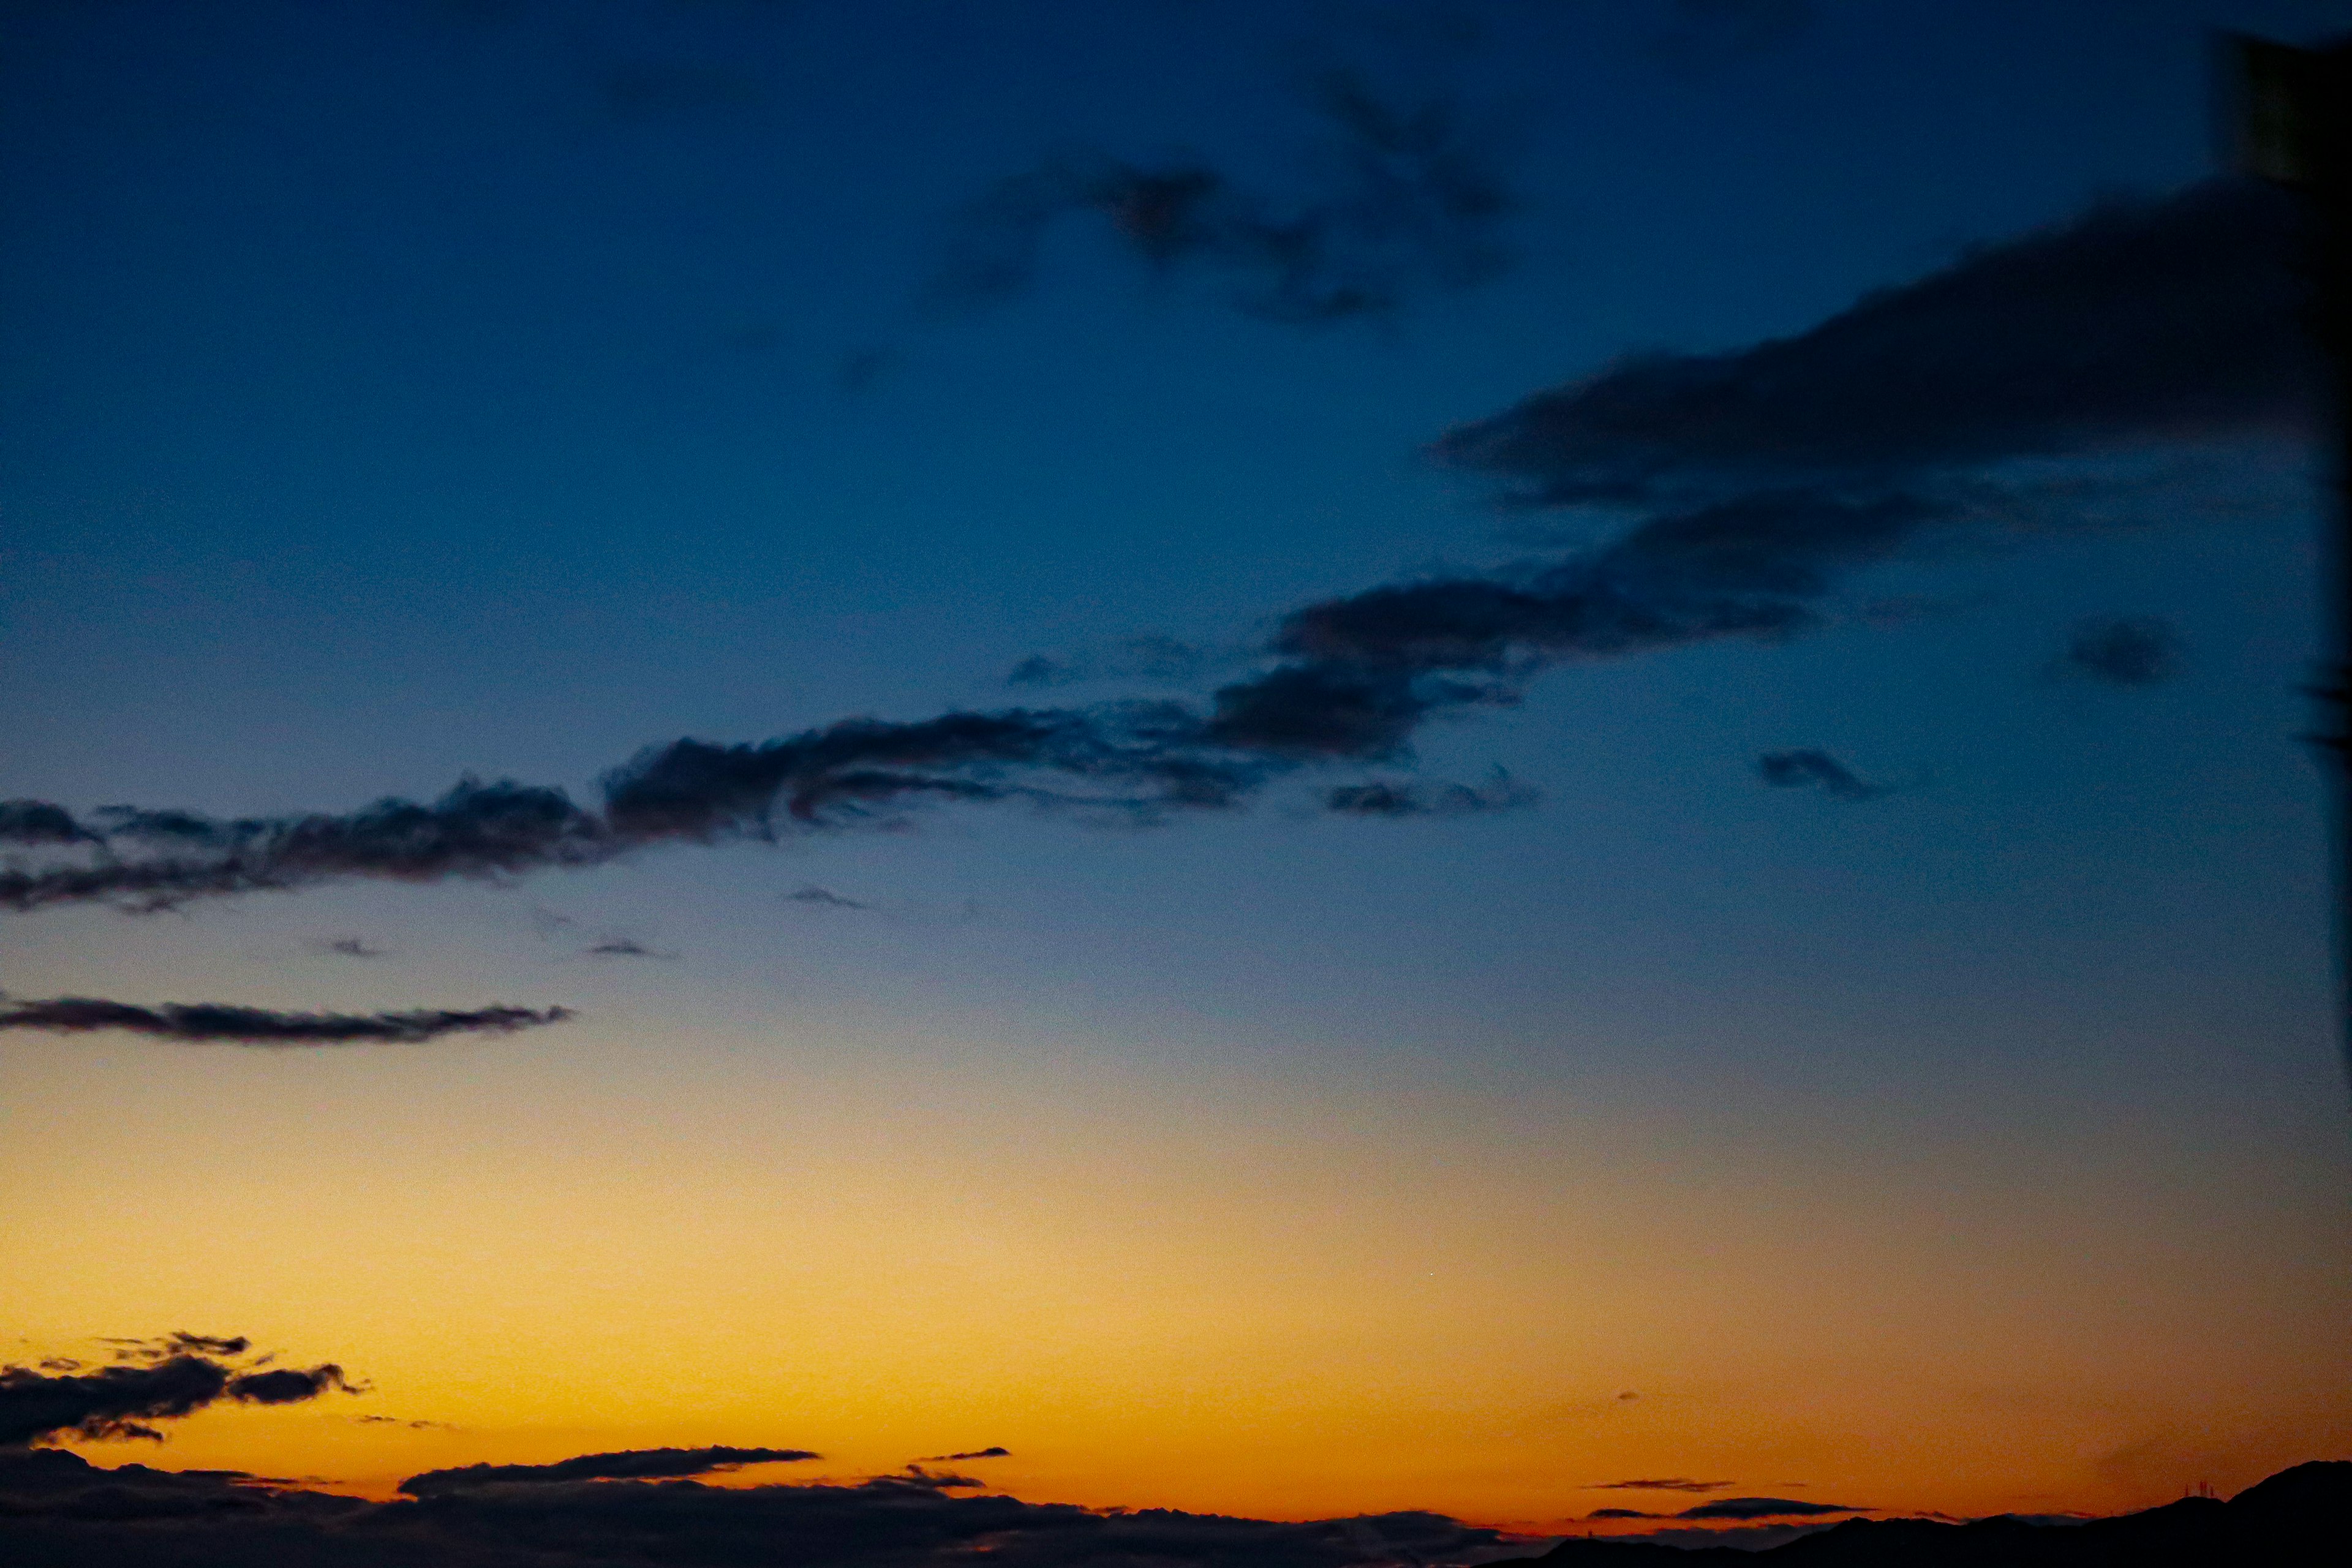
219	1023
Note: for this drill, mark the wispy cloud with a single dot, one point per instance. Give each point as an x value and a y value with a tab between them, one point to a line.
1415	199
1807	768
218	1023
1745	488
635	1464
2123	650
821	899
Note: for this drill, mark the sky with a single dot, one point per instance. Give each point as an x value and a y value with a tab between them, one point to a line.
1572	899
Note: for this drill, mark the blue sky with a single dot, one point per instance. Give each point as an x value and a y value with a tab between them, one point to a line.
397	392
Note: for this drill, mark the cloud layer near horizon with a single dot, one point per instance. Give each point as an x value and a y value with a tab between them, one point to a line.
635	1464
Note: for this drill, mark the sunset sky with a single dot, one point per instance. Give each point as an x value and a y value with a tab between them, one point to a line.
399	391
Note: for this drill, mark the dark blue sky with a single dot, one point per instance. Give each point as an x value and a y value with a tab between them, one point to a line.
394	391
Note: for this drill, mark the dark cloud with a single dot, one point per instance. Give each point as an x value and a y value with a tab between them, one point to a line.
56	1509
216	1022
2123	650
2164	320
1162	658
1412	199
823	899
636	1464
1747	489
625	947
927	1480
974	1454
1661	1484
158	1380
350	947
1744	1508
37	822
1807	768
1392	798
1624	1513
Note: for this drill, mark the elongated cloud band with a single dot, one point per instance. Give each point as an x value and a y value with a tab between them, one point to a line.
636	1464
216	1022
1750	486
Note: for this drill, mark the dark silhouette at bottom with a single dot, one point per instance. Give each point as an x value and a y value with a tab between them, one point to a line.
56	1510
2298	1516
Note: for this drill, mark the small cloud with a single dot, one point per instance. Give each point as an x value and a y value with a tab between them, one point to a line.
823	899
349	947
1622	1513
626	947
1660	1484
1411	198
915	1477
1152	657
2123	650
1809	768
1394	799
1744	1508
975	1454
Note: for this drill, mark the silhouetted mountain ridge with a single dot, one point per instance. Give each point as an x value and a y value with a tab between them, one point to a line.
2296	1517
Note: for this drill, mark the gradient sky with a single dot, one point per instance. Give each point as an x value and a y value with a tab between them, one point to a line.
395	390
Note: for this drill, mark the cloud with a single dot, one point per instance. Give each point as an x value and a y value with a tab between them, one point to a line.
625	947
927	1480
2166	319
1412	199
37	822
2123	650
1622	1513
1809	768
350	947
1155	657
636	1464
217	1023
162	1379
1743	488
67	1511
1663	1484
56	1507
1744	1508
1392	798
823	899
974	1454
